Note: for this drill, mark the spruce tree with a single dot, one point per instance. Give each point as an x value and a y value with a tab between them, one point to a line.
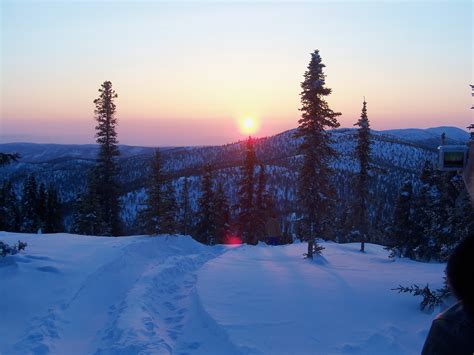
460	222
315	191
261	204
185	208
8	158
362	186
246	195
205	227
221	215
85	218
402	228
106	167
29	206
9	208
422	219
154	209
53	217
41	207
169	207
442	200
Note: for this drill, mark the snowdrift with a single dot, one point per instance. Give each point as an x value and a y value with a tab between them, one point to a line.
68	294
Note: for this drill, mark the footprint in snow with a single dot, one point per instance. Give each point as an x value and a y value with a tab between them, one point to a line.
34	257
193	346
181	311
169	306
173	334
149	324
50	269
174	319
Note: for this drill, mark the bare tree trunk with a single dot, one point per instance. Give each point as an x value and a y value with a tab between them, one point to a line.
310	248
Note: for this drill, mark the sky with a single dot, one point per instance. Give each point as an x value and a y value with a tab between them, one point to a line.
186	73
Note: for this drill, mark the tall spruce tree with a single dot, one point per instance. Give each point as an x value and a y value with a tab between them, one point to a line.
205	227
106	167
185	209
246	195
169	208
220	215
9	208
41	206
153	211
85	218
362	186
422	204
53	220
261	204
29	206
315	191
402	243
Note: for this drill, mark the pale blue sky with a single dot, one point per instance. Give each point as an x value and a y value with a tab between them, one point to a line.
186	72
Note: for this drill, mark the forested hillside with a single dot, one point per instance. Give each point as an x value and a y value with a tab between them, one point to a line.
394	159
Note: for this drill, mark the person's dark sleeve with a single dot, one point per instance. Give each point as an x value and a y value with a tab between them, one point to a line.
439	340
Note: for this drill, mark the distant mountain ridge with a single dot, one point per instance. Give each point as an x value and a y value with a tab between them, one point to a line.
419	134
43	152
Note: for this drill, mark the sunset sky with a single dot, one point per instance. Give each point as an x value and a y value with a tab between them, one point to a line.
188	72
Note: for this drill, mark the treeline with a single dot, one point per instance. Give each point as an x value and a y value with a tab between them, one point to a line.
429	223
38	209
214	220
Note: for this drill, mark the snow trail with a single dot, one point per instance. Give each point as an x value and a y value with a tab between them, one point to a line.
138	302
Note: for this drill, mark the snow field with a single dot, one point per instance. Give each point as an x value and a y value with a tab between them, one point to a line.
271	301
68	294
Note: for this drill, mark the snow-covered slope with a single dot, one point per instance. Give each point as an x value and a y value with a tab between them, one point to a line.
35	153
68	294
428	134
66	168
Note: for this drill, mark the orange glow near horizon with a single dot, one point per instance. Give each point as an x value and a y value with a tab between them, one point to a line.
202	73
249	126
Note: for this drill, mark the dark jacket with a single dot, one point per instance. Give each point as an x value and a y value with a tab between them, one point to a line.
451	333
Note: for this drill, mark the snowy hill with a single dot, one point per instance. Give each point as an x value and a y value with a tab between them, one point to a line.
397	156
97	295
430	136
36	153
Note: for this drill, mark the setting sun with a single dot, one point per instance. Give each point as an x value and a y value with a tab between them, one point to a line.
248	125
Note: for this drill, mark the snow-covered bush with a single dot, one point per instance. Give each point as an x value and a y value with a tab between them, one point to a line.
6	249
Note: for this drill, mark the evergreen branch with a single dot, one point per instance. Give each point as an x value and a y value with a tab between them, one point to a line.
431	298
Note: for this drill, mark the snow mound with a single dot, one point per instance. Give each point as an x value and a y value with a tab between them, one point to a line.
94	295
68	294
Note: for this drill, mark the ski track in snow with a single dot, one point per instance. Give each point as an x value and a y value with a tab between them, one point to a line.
143	301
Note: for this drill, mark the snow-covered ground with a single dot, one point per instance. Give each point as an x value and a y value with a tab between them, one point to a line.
68	294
